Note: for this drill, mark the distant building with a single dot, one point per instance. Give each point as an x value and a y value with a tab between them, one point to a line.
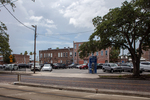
21	58
102	56
64	55
146	55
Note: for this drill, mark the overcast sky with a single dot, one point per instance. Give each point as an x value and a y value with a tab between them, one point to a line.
59	22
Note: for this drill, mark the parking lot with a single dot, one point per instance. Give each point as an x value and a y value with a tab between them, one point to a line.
72	71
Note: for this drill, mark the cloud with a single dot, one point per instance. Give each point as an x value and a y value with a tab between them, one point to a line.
36	18
81	12
49	21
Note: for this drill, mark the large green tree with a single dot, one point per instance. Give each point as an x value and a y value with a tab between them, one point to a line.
4	37
114	54
122	27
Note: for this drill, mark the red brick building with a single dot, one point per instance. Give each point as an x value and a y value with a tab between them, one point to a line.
102	56
146	55
21	58
64	56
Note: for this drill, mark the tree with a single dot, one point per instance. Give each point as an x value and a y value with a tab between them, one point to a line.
6	58
57	47
20	53
25	53
113	55
122	28
31	54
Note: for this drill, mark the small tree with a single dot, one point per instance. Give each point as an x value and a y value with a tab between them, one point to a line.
31	54
25	53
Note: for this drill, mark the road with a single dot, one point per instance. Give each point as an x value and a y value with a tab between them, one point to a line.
113	84
13	92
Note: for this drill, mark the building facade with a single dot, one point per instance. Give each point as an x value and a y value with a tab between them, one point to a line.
102	56
146	55
64	56
24	59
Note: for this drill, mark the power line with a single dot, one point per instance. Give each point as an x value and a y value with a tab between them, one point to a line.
71	33
17	19
53	37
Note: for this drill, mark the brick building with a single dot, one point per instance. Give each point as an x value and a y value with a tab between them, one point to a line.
64	55
102	56
21	58
146	55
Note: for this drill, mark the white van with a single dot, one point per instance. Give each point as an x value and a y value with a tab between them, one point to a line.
145	66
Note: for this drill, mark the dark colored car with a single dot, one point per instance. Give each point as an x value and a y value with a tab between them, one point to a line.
99	66
23	66
73	66
57	65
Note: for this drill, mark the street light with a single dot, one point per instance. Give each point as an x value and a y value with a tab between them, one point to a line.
34	45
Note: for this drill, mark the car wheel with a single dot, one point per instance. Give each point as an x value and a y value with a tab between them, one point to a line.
112	71
104	70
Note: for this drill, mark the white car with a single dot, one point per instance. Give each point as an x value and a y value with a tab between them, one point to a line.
37	67
145	66
11	67
47	67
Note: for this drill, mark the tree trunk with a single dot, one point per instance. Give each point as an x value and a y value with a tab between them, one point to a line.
136	67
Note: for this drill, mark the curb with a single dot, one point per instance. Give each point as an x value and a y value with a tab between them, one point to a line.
90	90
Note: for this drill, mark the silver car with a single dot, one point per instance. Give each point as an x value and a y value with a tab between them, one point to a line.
47	67
11	67
111	67
145	66
37	67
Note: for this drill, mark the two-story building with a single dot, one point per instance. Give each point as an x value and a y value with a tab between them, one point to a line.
102	56
64	55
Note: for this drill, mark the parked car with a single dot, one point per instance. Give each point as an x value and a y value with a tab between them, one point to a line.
84	66
1	66
11	67
57	65
126	67
99	66
73	66
145	66
23	66
37	67
111	67
47	67
78	66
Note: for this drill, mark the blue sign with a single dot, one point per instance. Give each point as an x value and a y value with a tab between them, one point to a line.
93	64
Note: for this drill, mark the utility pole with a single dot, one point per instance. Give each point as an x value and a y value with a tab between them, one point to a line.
34	46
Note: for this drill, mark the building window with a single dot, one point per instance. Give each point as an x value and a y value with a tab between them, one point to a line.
101	53
75	46
79	45
51	55
60	61
61	54
58	54
70	54
75	53
66	54
97	53
41	55
44	55
51	61
92	54
106	52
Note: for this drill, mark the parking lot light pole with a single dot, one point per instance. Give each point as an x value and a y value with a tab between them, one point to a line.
34	45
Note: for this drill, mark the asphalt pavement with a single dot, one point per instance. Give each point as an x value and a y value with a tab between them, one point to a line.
79	74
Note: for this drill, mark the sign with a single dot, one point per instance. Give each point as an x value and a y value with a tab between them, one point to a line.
11	57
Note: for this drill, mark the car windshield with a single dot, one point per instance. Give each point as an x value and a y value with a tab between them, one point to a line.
46	65
114	65
84	64
36	65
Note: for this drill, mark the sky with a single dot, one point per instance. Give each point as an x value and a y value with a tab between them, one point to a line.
59	22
